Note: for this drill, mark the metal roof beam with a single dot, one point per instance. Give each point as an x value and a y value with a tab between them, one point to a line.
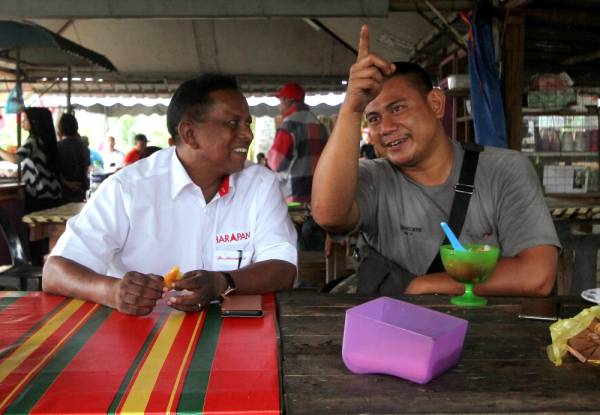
185	9
441	5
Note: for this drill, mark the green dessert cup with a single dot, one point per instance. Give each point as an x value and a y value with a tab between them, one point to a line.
469	267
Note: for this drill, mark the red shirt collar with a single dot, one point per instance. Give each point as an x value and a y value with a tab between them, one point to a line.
224	189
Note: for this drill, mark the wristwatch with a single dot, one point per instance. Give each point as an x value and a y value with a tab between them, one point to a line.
230	284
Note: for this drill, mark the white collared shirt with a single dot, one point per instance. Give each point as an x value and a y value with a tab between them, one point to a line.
113	160
150	216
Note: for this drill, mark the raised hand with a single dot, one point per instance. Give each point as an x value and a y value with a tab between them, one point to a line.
366	75
137	293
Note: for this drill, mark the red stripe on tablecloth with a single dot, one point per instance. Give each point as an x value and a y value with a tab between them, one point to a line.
245	372
42	355
172	375
24	314
89	383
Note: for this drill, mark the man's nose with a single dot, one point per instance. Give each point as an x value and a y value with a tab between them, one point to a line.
246	132
387	124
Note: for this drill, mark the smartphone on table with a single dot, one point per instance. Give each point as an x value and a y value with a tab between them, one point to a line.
242	306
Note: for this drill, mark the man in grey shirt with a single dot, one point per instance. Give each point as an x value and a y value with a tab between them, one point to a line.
398	202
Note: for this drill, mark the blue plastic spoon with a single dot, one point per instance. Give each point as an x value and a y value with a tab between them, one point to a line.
452	238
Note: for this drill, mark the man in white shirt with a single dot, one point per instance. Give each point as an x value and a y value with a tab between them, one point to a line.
113	158
196	205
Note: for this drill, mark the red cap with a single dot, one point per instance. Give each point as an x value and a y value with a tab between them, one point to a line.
291	90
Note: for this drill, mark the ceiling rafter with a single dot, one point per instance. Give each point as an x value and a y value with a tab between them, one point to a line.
586	57
457	36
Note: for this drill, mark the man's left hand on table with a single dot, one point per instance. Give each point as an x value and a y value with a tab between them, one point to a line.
203	287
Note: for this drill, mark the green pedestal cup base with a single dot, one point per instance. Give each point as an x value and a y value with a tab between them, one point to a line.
468	300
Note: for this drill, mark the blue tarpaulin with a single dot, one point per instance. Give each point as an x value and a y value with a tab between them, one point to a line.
15	103
486	96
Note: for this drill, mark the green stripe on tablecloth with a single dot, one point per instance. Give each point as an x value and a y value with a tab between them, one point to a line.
8	300
127	379
196	382
33	329
27	400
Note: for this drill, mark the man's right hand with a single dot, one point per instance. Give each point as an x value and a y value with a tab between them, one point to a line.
336	176
366	75
137	293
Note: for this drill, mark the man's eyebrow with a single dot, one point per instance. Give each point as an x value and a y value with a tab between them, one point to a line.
398	101
387	106
367	114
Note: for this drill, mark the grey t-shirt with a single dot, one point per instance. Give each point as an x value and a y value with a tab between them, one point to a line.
401	218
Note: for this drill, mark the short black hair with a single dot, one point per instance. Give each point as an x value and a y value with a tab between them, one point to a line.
194	95
140	137
415	75
67	124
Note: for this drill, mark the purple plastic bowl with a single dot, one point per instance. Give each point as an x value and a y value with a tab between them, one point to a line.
402	339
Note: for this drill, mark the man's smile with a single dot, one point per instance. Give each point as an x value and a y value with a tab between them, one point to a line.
396	142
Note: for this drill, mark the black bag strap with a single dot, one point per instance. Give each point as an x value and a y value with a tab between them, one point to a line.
462	196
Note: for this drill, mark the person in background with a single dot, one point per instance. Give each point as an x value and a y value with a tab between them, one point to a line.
297	146
397	203
39	160
171	141
140	144
262	160
294	155
96	161
148	151
197	205
40	169
74	160
367	150
113	158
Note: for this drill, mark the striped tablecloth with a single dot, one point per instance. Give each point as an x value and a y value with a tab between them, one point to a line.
58	214
60	355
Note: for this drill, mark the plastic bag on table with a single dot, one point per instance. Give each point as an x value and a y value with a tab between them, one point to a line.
563	330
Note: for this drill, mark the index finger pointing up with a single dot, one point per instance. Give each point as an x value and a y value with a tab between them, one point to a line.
363	43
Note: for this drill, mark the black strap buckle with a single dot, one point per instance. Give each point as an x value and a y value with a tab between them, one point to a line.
464	188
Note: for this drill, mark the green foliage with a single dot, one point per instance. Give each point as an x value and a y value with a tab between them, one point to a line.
126	129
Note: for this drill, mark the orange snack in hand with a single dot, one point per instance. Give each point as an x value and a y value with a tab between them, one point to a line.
173	275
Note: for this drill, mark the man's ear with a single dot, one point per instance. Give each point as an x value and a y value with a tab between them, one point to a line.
437	102
185	131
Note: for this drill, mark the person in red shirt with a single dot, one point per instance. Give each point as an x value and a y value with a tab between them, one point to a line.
141	141
297	145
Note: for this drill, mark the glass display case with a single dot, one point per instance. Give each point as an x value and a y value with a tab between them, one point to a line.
564	150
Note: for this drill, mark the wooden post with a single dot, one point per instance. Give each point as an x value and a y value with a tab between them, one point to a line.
69	106
19	87
514	56
336	262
